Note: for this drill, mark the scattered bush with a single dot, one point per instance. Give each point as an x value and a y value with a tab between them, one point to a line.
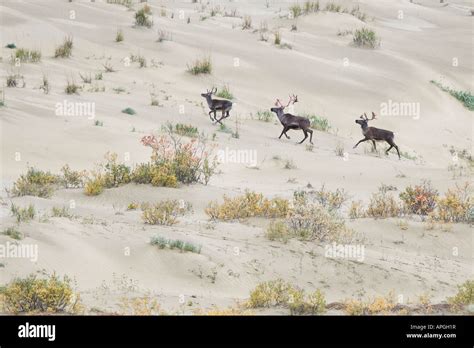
165	212
250	204
420	199
64	50
465	97
164	35
13	232
13	80
225	93
457	205
72	88
35	183
175	244
119	36
115	174
331	200
186	130
278	230
247	23
142	173
356	210
94	185
201	66
142	17
377	305
28	56
34	295
61	212
383	205
11	46
265	116
73	178
277	40
464	296
318	123
365	37
45	85
129	111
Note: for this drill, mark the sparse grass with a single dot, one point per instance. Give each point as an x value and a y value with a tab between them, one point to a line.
61	212
339	150
251	204
13	80
23	214
289	164
365	37
165	212
356	210
246	22
464	296
225	93
331	200
65	49
277	40
72	178
108	67
28	56
129	111
164	35
332	7
98	123
99	76
142	17
72	88
35	183
45	85
163	243
13	232
318	123
133	206
278	230
264	115
94	185
87	78
34	295
465	97
201	66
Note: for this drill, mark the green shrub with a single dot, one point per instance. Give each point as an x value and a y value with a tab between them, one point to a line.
142	173
318	123
28	56
201	66
420	199
457	205
72	178
278	230
61	212
142	17
383	205
35	183
13	232
464	296
119	36
365	37
465	97
72	88
11	46
225	93
129	111
34	295
115	174
186	130
265	116
65	49
175	244
164	213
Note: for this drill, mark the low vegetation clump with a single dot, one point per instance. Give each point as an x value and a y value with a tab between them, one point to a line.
201	66
129	111
457	205
72	88
35	183
251	204
464	296
65	49
165	212
142	17
28	56
420	199
465	97
73	178
225	93
119	36
13	81
13	232
246	22
186	130
40	295
319	123
94	185
163	243
278	231
283	294
264	115
383	204
61	212
365	37
377	305
10	46
331	200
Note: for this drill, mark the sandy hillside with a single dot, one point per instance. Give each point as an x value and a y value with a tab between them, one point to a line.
318	62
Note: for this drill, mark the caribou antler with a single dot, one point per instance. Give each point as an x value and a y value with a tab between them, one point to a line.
214	90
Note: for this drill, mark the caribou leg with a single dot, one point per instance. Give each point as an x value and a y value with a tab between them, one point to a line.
375	147
310	135
285	129
305	136
360	141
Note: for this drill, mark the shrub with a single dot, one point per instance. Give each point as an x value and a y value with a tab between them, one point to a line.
225	93
163	175
72	178
72	88
129	111
142	173
142	17
34	295
465	97
265	116
95	185
318	123
11	46
13	80
28	56
201	66
64	50
365	37
119	36
164	213
332	7
133	206
420	199
383	205
331	200
250	204
277	40
464	296
356	210
457	205
296	10
35	183
175	244
188	162
115	174
247	22
377	305
278	230
13	232
186	130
